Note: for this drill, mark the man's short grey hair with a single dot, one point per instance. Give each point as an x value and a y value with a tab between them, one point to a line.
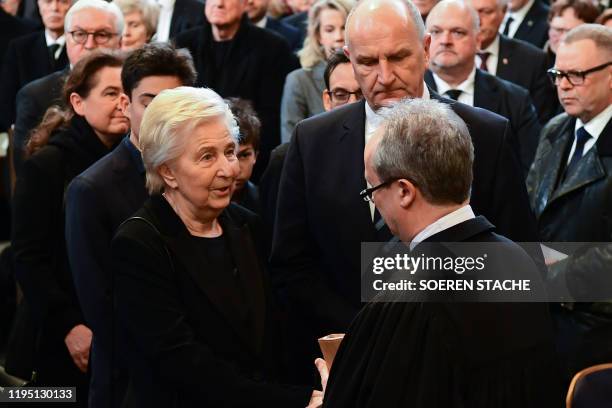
168	122
413	13
102	5
424	141
599	34
149	10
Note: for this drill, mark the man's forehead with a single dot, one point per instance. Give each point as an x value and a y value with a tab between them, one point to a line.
577	55
92	19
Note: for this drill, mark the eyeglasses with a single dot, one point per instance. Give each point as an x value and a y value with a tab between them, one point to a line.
573	77
342	95
100	37
366	195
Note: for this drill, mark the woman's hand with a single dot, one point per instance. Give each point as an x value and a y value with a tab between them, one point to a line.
78	342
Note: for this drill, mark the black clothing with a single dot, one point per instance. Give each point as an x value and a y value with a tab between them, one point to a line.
288	32
249	198
428	354
190	344
187	14
97	202
534	27
41	262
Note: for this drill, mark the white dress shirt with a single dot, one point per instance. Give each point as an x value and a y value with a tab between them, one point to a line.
373	121
449	220
467	87
262	23
594	126
493	50
518	16
61	41
165	19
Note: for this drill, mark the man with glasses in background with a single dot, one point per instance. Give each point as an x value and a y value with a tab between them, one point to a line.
89	25
341	87
570	189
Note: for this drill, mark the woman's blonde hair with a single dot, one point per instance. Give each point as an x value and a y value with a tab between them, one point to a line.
168	122
149	10
312	53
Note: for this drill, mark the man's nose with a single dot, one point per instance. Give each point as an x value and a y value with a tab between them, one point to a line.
90	43
385	73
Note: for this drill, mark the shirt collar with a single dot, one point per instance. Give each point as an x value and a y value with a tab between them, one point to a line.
466	86
596	125
519	15
449	220
134	154
61	40
262	23
493	48
166	4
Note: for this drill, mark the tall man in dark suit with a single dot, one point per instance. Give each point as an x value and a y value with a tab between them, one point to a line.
506	58
257	10
89	16
570	188
235	58
321	221
104	196
33	56
527	20
453	26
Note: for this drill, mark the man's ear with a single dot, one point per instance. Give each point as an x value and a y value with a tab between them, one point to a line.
166	173
426	46
77	104
326	101
124	105
407	192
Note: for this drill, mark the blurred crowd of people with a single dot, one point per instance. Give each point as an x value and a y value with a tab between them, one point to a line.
182	194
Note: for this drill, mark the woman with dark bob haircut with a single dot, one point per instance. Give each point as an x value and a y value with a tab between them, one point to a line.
190	281
67	141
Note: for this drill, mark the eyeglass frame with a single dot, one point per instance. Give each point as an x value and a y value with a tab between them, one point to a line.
565	74
358	95
92	33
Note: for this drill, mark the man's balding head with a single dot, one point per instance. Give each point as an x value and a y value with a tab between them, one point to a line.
387	45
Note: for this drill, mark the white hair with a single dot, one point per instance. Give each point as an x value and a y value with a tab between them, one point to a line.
149	10
168	122
101	5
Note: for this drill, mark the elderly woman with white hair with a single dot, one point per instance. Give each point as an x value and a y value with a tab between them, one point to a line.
190	284
141	18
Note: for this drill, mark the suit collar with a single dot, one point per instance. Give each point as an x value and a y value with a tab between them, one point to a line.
239	242
463	231
486	91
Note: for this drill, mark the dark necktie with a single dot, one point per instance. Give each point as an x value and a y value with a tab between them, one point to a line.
508	24
582	136
453	93
52	50
484	56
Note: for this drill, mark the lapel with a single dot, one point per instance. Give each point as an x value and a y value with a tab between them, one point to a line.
180	243
486	92
43	65
351	144
126	176
505	57
529	21
429	80
178	16
590	168
245	256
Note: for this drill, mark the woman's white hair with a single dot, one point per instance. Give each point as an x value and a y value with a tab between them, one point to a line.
170	119
98	5
148	9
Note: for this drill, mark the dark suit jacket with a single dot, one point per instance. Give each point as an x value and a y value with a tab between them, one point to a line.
12	27
187	14
288	32
192	347
321	221
427	353
512	102
534	28
300	22
31	104
29	60
578	209
97	202
41	262
526	65
268	186
255	68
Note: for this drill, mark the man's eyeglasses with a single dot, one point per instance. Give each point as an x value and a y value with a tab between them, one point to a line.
366	195
343	96
573	77
100	37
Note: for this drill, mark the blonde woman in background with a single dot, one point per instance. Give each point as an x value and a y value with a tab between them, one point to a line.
141	18
304	86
